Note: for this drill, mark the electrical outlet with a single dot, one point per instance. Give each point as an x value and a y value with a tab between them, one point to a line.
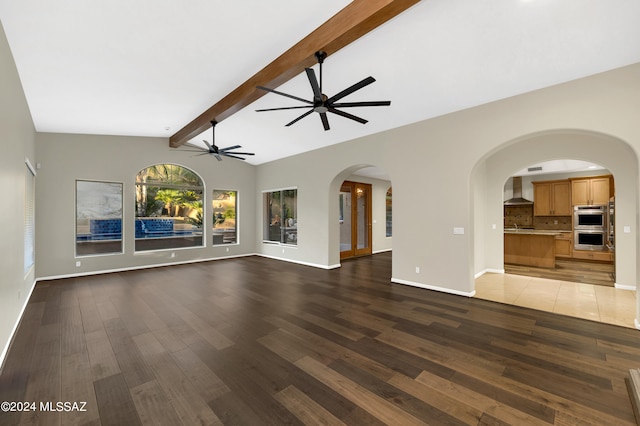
417	269
78	264
173	254
227	249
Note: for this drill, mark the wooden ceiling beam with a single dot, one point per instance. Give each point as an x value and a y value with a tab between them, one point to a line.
351	23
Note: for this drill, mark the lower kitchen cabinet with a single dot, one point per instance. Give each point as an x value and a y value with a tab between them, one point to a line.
564	245
604	256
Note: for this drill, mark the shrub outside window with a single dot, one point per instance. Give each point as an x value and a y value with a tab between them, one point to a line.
281	216
98	217
169	208
225	206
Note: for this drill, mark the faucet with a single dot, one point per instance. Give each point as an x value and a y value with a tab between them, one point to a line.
516	225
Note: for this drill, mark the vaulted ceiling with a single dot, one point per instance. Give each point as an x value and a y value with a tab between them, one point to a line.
148	68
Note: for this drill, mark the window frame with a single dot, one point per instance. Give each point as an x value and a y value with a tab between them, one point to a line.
236	227
266	218
199	232
122	216
29	237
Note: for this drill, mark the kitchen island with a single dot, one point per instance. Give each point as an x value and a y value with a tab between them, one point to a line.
530	247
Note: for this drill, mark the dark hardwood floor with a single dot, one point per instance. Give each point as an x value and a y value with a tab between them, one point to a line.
253	341
597	273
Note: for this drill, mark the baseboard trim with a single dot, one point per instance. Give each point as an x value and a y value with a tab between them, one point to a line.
435	288
6	348
137	268
625	287
488	271
299	262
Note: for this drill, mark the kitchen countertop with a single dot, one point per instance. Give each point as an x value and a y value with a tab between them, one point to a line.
533	231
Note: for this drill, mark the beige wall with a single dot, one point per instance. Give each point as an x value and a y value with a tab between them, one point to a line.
65	158
450	174
17	137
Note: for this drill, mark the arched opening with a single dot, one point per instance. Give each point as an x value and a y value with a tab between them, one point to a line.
490	174
360	203
169	208
573	202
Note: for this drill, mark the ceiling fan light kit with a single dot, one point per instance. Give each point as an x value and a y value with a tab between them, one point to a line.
321	103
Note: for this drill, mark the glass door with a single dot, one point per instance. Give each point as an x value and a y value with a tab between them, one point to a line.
355	219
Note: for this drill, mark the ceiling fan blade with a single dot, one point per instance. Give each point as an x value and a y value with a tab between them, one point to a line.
204	151
299	118
311	75
278	109
284	94
347	115
217	156
208	145
325	120
229	147
349	90
238	153
361	104
232	156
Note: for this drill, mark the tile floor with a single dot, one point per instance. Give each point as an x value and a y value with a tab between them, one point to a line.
593	302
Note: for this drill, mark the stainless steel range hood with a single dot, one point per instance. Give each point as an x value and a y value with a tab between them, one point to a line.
517	199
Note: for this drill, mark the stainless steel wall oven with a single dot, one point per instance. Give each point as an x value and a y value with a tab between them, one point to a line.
590	230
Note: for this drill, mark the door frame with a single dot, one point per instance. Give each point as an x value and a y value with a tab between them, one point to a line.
367	190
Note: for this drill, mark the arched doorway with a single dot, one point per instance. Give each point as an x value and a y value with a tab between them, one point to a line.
488	177
544	198
359	194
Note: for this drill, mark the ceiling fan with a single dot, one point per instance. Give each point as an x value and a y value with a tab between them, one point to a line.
219	152
321	103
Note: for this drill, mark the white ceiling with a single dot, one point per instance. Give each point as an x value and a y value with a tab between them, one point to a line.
148	67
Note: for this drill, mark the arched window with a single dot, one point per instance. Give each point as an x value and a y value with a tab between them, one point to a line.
169	208
388	211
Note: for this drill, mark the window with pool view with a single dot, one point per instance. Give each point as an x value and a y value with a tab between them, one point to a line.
169	208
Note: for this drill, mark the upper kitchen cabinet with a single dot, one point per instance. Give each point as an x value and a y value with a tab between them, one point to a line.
552	198
590	191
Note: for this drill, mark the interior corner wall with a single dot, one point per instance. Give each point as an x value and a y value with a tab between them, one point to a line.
67	157
17	138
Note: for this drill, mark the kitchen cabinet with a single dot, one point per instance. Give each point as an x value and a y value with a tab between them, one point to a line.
531	248
564	245
604	256
552	198
590	191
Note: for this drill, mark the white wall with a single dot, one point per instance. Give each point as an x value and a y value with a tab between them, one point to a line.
17	139
65	158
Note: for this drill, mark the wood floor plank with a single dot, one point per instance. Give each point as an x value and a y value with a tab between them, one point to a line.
77	387
188	404
370	402
115	404
306	409
251	340
153	405
101	356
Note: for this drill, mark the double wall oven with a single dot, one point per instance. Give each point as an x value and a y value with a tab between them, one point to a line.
590	230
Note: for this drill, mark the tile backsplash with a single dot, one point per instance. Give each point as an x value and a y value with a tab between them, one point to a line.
523	217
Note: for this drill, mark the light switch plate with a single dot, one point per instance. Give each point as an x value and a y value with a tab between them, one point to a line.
458	231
